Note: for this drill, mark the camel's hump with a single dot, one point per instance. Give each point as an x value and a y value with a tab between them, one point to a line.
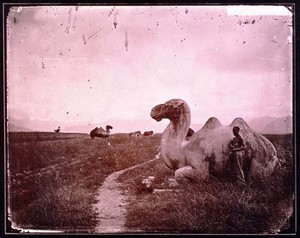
212	123
101	129
240	122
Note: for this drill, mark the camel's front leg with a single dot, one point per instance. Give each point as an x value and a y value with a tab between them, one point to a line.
192	173
185	173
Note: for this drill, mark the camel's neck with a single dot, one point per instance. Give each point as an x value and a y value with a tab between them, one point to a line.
177	130
173	140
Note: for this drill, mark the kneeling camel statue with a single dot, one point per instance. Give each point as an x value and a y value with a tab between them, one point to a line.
100	132
190	158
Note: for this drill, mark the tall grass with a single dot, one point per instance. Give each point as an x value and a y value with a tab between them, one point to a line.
214	207
53	183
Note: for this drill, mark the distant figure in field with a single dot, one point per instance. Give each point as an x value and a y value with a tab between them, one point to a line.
135	134
100	132
148	133
57	130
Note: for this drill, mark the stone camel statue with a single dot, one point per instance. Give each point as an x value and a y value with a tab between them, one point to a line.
135	134
190	158
100	132
148	133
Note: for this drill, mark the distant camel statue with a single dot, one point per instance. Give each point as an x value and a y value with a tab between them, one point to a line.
57	130
135	134
148	133
100	132
190	158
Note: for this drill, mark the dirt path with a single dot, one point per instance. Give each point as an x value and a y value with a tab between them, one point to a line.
111	206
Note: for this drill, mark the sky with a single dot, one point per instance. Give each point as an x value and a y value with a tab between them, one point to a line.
91	65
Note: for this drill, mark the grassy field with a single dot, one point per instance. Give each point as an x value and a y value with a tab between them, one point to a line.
54	178
215	207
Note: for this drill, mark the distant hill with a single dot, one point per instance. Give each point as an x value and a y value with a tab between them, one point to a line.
119	126
81	128
13	127
272	125
263	125
25	124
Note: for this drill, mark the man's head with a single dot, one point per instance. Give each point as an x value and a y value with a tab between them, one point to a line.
235	130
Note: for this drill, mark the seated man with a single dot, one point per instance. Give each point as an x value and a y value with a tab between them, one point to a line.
237	154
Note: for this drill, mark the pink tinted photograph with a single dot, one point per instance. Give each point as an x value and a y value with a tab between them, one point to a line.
156	119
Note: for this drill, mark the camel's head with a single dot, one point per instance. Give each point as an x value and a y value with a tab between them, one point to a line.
108	127
171	109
